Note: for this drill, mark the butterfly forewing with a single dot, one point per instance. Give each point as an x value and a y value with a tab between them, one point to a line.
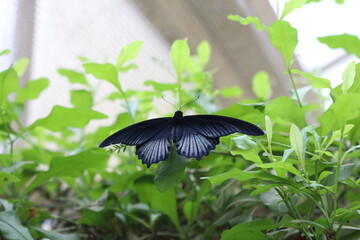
218	126
138	133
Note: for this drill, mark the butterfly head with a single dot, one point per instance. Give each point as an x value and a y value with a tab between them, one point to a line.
178	114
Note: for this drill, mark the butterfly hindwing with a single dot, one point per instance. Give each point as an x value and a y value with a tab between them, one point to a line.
138	133
191	144
218	126
157	148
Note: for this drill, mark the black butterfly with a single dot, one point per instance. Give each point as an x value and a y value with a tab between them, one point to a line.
194	136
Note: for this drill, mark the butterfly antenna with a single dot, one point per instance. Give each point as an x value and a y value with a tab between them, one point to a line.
190	102
169	102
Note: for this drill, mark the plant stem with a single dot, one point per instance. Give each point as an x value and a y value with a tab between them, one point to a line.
294	87
179	89
295	214
337	173
126	102
8	133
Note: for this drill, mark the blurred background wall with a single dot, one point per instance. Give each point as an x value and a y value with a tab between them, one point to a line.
52	34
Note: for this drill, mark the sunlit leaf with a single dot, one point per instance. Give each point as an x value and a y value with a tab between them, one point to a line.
5	52
61	118
291	5
180	54
268	127
104	71
348	77
72	166
20	66
73	76
170	172
350	43
160	87
203	53
81	98
248	20
284	37
11	228
32	90
230	92
9	82
346	107
128	53
261	86
297	144
281	165
284	109
315	82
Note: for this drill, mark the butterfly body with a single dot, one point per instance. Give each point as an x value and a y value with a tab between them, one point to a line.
194	136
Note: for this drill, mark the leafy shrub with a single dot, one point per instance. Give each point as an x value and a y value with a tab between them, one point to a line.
299	181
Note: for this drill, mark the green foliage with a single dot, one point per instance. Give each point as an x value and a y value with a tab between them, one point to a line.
284	37
347	42
248	20
299	181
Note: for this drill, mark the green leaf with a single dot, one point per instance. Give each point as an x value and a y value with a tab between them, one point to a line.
73	76
32	90
20	66
104	71
284	37
164	202
16	165
248	20
81	98
230	92
11	228
61	118
203	53
291	5
344	173
161	87
238	175
101	219
348	77
180	54
268	127
315	82
285	110
56	236
123	182
248	230
9	82
297	144
247	148
350	43
8	177
170	171
261	86
346	107
72	166
5	52
128	53
281	165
